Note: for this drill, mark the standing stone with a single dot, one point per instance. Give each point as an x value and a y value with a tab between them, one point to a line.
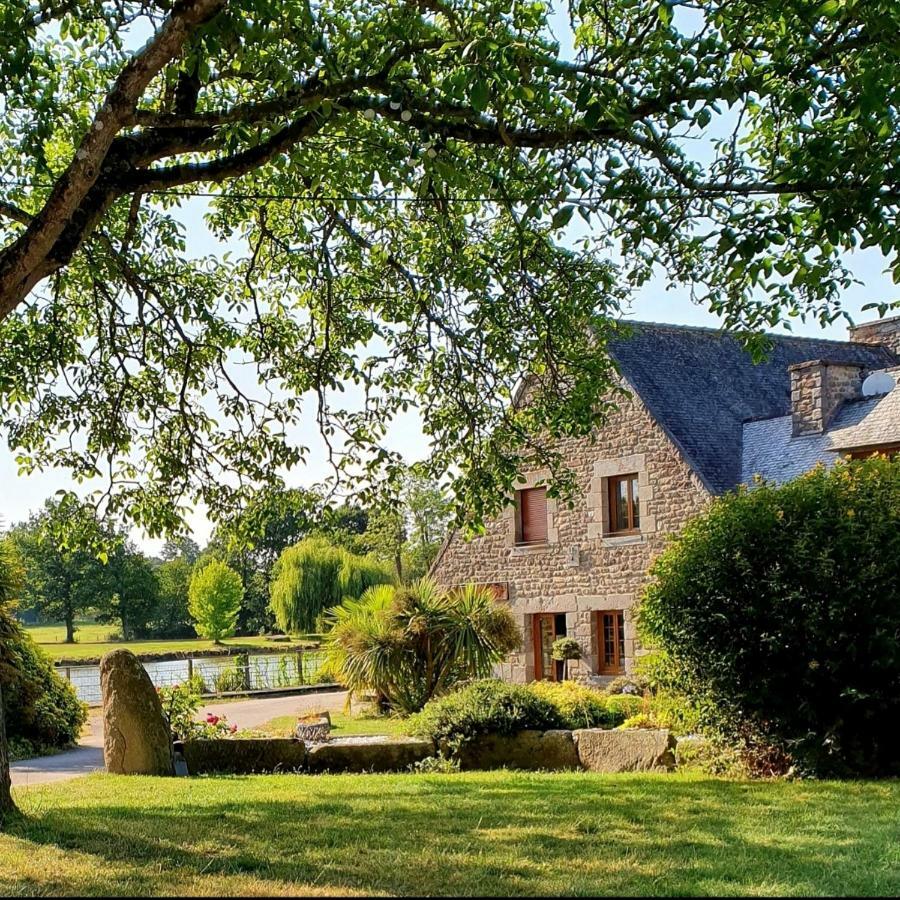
136	735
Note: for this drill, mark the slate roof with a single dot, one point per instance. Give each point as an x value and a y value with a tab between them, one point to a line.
701	385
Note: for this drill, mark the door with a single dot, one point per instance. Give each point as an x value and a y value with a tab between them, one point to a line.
547	628
611	635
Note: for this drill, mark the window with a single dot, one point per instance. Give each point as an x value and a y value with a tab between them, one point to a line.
547	628
611	642
888	450
531	516
624	505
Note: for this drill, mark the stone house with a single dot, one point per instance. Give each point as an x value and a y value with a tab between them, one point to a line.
700	418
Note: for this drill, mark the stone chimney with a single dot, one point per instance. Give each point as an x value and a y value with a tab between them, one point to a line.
818	388
882	331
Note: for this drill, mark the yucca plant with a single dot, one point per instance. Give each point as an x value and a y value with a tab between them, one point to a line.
410	644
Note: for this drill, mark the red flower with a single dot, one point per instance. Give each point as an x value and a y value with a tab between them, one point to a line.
212	720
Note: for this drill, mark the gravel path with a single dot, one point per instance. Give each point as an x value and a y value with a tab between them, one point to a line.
87	757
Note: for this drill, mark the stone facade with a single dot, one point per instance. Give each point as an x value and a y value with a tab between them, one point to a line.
818	388
583	569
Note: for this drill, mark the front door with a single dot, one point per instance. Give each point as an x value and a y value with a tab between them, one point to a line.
547	628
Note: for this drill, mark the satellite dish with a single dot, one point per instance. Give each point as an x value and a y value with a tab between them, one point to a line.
878	383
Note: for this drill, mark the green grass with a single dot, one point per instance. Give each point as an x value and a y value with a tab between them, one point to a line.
496	833
46	635
341	725
85	632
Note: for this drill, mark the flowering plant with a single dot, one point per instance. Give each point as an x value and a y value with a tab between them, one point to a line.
180	705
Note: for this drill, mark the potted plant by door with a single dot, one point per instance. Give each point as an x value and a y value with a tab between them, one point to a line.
564	649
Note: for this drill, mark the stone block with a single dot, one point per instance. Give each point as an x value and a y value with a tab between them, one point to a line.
368	755
551	750
631	750
244	757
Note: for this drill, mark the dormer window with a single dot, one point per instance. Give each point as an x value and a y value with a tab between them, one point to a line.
531	516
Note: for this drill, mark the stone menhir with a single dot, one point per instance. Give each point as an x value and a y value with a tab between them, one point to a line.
136	734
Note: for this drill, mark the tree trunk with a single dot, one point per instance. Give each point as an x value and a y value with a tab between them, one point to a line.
70	627
6	802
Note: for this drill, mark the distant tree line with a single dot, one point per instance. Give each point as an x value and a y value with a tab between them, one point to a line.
77	565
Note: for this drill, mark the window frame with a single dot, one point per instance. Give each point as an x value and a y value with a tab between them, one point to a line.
632	526
556	667
618	665
519	526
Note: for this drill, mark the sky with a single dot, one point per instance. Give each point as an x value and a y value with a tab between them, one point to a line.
21	495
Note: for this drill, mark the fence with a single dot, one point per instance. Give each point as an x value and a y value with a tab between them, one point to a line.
215	676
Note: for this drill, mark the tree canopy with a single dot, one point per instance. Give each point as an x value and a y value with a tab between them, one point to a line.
400	179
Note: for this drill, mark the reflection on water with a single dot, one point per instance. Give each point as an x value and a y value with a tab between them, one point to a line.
219	674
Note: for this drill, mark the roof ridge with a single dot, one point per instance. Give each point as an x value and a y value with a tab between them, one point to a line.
726	332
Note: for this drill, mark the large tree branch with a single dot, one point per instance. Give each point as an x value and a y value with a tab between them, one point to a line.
21	262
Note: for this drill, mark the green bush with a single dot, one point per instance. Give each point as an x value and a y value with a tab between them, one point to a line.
626	706
497	707
42	710
579	706
779	610
484	707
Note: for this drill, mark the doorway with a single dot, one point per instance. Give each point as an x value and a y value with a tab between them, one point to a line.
547	628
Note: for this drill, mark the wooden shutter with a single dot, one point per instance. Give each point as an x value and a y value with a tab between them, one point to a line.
533	515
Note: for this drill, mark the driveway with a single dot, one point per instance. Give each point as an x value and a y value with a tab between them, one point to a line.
87	757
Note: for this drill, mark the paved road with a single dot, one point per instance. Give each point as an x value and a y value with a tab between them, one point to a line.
87	757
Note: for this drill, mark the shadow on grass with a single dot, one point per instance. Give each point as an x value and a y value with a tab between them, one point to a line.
479	833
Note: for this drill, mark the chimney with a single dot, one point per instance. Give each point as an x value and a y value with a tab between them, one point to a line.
882	331
818	388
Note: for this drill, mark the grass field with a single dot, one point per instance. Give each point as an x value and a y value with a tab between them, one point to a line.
92	641
497	833
341	725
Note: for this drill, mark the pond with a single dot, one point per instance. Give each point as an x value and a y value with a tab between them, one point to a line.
220	674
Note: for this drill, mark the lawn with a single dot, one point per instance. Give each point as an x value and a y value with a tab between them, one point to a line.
341	725
85	632
497	833
51	639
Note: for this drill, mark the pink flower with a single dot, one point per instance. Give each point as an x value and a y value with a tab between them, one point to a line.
233	728
212	720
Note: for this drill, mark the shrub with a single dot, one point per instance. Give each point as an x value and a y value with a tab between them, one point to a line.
627	684
315	576
214	599
579	706
484	707
641	720
42	710
779	609
411	644
626	705
180	705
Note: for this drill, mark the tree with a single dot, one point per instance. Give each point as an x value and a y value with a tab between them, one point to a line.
215	596
171	618
12	574
252	540
428	516
316	575
180	548
131	590
778	611
402	178
64	548
410	644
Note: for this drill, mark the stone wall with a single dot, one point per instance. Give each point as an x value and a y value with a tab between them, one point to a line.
818	388
583	568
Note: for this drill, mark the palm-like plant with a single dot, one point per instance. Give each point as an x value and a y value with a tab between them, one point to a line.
411	644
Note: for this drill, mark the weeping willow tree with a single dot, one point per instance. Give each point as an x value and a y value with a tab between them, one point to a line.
314	576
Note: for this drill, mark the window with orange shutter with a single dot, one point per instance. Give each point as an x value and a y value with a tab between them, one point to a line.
531	516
